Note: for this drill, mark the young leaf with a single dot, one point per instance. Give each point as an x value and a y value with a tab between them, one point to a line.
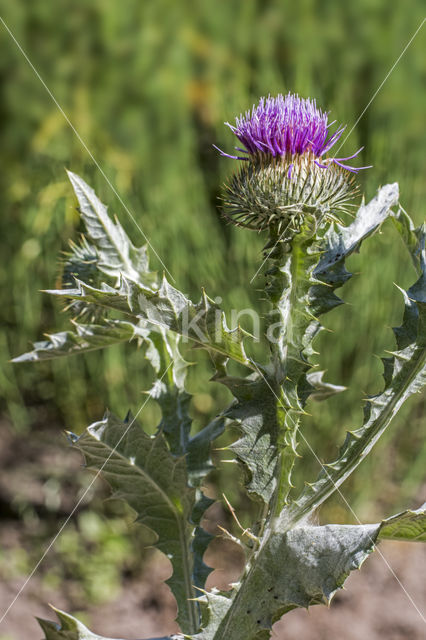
408	525
85	337
142	471
82	263
117	255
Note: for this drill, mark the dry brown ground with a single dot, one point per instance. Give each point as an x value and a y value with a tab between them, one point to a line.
375	605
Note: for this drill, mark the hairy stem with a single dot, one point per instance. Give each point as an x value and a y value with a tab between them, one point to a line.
290	331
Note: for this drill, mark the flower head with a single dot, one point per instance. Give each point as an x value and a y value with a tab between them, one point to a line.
286	178
287	126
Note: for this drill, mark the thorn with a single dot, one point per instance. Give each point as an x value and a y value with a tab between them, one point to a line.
246	532
231	537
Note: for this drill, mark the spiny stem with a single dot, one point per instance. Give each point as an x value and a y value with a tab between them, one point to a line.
288	284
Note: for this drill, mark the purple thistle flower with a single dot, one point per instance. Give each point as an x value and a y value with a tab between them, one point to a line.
288	126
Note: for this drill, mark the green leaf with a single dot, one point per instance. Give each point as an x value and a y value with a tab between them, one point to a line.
318	389
169	389
85	337
408	525
202	324
404	374
301	283
198	459
170	393
81	263
410	235
299	567
199	464
340	242
259	417
142	471
116	254
69	628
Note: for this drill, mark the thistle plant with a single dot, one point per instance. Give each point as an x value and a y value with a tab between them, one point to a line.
289	188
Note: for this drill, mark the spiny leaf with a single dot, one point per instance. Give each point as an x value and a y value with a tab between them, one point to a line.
301	285
302	567
214	606
259	418
404	374
298	567
169	389
408	525
410	235
202	324
318	389
85	337
142	471
170	393
199	464
69	628
198	459
340	242
117	255
81	263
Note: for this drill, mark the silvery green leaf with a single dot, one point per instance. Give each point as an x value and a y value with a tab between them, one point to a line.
198	450
169	389
69	628
301	284
320	390
84	338
298	567
340	242
81	262
259	417
199	464
404	375
170	393
142	471
116	254
408	525
202	325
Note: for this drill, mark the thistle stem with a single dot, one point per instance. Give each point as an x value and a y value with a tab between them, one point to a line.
288	284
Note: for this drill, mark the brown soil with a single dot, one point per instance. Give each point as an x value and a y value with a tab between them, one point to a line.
375	605
378	603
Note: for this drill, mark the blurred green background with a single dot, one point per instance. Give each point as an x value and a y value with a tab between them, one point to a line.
148	86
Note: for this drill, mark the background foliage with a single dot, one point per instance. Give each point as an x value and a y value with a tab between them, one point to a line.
148	86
